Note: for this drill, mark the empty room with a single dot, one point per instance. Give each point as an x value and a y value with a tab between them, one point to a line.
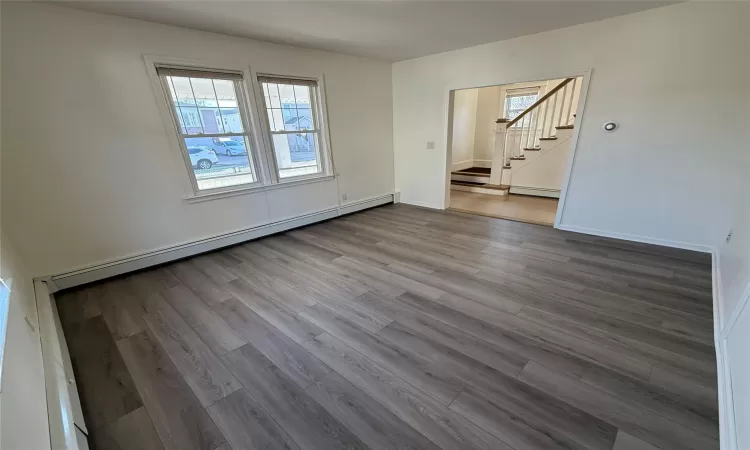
320	225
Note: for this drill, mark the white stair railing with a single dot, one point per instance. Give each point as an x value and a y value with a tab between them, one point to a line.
554	109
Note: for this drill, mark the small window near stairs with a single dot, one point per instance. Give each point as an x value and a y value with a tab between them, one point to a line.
518	102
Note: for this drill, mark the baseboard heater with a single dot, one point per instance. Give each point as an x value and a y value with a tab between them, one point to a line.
141	261
539	192
67	428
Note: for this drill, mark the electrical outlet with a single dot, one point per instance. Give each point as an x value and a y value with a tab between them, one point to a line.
343	196
430	145
729	235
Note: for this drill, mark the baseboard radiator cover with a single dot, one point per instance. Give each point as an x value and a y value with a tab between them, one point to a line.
536	191
133	263
67	428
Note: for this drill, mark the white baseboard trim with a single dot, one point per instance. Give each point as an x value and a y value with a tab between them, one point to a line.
371	202
64	412
727	432
727	426
132	263
538	192
735	315
421	204
637	238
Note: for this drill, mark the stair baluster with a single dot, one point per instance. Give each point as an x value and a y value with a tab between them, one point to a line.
544	118
562	107
570	103
553	108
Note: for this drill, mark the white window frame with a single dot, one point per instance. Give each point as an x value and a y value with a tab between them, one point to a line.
320	114
523	92
264	159
249	131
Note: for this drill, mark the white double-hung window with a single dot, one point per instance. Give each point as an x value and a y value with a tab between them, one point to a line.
212	120
293	123
226	147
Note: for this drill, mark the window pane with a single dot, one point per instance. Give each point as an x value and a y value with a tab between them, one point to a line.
272	95
305	118
185	105
296	154
232	120
205	105
276	119
302	95
220	162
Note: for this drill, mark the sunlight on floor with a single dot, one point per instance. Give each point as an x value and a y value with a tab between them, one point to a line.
524	208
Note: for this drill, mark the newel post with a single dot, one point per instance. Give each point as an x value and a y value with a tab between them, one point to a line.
498	156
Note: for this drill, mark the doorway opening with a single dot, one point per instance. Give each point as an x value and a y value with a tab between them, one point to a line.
510	146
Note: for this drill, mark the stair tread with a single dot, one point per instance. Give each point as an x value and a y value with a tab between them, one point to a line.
565	127
481	185
474	171
470	174
551	138
532	149
517	158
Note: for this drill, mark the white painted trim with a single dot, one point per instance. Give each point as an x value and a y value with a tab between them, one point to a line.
479	190
722	329
371	202
4	314
727	426
257	188
580	110
727	430
461	165
732	319
64	413
422	204
535	191
139	261
498	80
637	238
724	322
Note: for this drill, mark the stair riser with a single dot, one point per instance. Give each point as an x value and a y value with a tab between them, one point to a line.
480	190
471	178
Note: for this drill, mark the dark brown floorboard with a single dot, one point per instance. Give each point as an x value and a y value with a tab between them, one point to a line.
402	328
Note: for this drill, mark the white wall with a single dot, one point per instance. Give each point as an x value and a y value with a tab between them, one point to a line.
734	264
464	123
88	173
23	404
667	175
657	177
488	101
544	169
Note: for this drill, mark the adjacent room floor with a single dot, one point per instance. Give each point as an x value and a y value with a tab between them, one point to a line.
402	327
524	208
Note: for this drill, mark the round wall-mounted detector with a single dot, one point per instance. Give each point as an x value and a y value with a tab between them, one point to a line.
610	126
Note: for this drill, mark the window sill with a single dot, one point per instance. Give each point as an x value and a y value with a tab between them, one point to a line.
198	198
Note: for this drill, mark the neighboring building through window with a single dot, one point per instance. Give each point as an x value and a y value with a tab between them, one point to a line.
218	135
208	110
293	125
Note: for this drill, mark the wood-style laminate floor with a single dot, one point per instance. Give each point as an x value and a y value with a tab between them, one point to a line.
402	328
523	208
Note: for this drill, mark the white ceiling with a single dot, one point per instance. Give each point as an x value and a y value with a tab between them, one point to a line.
391	30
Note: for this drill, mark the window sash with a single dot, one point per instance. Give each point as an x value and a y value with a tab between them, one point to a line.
244	113
321	148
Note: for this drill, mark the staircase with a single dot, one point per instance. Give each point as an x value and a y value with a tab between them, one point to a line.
533	143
